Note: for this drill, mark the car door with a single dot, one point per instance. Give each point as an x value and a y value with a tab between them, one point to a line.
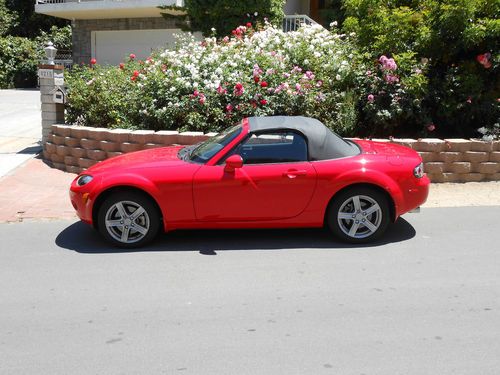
275	182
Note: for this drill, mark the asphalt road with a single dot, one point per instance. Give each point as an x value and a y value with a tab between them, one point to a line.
425	301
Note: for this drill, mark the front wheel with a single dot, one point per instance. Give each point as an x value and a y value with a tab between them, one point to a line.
128	219
359	215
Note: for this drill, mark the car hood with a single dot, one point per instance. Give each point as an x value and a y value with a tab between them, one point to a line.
156	157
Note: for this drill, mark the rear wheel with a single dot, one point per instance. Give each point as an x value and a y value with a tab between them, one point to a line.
128	219
359	215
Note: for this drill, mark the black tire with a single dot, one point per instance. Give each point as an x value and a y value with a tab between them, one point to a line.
363	224
118	224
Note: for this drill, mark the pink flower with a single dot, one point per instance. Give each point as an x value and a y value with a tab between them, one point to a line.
371	98
390	78
238	89
93	61
229	108
431	127
221	90
309	75
319	83
202	99
387	64
263	84
196	93
249	24
132	56
225	39
298	87
469	100
484	60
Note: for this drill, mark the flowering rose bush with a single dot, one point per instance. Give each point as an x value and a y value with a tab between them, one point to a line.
208	85
391	96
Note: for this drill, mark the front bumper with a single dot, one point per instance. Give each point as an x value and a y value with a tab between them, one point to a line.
82	200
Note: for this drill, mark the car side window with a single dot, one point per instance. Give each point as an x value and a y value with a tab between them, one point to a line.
273	147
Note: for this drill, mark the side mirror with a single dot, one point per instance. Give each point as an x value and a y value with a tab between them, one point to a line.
233	162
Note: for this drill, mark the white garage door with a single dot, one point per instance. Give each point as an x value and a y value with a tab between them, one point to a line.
113	47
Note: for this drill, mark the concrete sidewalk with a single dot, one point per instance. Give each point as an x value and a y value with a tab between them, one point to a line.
34	191
20	127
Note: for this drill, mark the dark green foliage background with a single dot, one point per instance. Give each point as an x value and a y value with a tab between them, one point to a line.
226	15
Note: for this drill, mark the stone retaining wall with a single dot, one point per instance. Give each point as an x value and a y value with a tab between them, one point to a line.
75	148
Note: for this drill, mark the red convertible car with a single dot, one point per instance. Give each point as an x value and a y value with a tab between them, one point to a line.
266	172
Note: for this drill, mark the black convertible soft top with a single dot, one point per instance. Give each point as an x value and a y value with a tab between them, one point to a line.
323	144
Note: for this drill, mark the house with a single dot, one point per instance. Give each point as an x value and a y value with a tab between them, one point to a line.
108	30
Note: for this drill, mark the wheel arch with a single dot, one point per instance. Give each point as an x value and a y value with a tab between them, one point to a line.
388	196
101	198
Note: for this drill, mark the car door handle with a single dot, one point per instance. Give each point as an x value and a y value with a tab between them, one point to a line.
293	173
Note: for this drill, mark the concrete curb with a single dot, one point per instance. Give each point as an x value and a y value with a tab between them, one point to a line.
75	148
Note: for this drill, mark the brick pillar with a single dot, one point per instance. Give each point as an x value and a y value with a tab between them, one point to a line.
52	113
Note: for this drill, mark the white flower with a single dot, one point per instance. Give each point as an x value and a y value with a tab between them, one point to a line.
338	77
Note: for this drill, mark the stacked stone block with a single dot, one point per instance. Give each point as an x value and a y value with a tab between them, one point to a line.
458	160
76	148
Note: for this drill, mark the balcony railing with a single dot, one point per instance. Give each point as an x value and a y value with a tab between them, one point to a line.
293	23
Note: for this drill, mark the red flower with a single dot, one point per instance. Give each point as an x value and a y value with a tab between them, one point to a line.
256	79
132	56
93	61
238	86
122	65
136	73
263	84
132	78
263	101
249	24
196	93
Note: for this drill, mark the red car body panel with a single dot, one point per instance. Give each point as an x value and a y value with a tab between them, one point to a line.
280	195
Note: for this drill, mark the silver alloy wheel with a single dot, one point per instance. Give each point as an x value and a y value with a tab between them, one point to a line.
127	222
359	216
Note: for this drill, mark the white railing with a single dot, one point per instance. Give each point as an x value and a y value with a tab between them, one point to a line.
292	23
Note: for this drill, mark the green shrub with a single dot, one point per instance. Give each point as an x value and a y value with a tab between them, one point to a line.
458	39
103	96
18	62
209	85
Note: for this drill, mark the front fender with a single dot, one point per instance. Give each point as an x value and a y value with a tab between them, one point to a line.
129	179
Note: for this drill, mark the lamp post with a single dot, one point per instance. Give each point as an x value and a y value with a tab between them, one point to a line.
50	52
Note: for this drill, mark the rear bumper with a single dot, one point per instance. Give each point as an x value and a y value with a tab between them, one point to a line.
416	195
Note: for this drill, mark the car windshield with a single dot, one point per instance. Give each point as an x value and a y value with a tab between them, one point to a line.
202	152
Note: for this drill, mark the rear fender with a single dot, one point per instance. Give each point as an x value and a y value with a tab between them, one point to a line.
373	177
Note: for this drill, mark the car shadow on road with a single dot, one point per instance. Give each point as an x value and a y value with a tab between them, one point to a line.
82	238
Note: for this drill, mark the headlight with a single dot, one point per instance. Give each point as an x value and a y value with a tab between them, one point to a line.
84	179
418	171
